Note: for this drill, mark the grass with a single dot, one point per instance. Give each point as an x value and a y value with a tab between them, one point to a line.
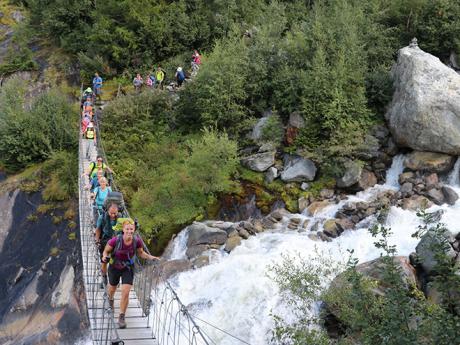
54	251
44	208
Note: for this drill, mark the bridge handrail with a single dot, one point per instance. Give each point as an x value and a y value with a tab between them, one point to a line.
146	270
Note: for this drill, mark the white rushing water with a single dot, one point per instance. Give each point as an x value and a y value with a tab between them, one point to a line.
234	290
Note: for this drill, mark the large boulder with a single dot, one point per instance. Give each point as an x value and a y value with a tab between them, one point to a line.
257	131
200	234
259	161
298	169
429	162
430	244
351	176
450	196
356	178
416	202
425	111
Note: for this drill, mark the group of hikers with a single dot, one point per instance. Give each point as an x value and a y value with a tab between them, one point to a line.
156	79
115	236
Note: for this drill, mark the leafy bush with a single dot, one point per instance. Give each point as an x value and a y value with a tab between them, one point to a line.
273	130
400	315
61	173
32	133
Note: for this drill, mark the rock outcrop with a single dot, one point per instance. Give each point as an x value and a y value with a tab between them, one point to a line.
298	169
425	111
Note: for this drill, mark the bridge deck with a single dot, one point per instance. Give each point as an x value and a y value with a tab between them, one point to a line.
103	328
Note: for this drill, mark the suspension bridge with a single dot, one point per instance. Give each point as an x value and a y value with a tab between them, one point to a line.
155	314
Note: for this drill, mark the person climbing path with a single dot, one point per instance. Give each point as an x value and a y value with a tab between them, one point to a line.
97	85
120	252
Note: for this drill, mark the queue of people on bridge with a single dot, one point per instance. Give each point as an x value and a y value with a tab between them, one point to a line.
115	236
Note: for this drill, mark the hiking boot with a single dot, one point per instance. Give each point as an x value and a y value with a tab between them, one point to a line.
111	303
121	321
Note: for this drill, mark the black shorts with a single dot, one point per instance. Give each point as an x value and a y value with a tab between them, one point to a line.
126	275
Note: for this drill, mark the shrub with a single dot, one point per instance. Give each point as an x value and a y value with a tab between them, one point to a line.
30	136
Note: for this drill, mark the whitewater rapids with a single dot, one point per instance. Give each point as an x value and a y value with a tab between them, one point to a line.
234	292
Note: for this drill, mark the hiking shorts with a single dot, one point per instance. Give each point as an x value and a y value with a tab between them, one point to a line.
98	91
126	275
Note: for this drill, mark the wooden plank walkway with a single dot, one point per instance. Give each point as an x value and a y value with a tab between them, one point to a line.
104	329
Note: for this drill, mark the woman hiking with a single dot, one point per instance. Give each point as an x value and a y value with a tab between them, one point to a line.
124	249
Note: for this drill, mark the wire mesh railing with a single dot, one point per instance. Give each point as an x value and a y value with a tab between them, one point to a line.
162	310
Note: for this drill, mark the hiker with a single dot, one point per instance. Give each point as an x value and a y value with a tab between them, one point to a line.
123	249
88	93
104	232
180	76
95	180
88	109
90	132
94	166
97	85
149	81
99	194
160	76
137	82
86	101
84	124
196	61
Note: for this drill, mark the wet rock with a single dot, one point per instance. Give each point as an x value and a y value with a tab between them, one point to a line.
200	261
305	223
260	161
416	202
391	148
243	233
406	188
258	226
345	223
62	295
232	243
436	196
196	250
317	206
331	228
202	234
450	195
170	268
406	177
426	250
425	111
351	176
271	174
323	237
367	180
303	204
431	180
296	220
313	237
429	161
298	169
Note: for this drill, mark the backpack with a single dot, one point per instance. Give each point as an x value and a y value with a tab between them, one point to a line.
119	244
93	167
90	133
114	197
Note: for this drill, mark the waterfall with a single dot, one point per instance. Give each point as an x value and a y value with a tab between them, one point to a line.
235	293
395	170
454	178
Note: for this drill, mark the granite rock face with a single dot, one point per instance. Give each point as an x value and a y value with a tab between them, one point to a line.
425	111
